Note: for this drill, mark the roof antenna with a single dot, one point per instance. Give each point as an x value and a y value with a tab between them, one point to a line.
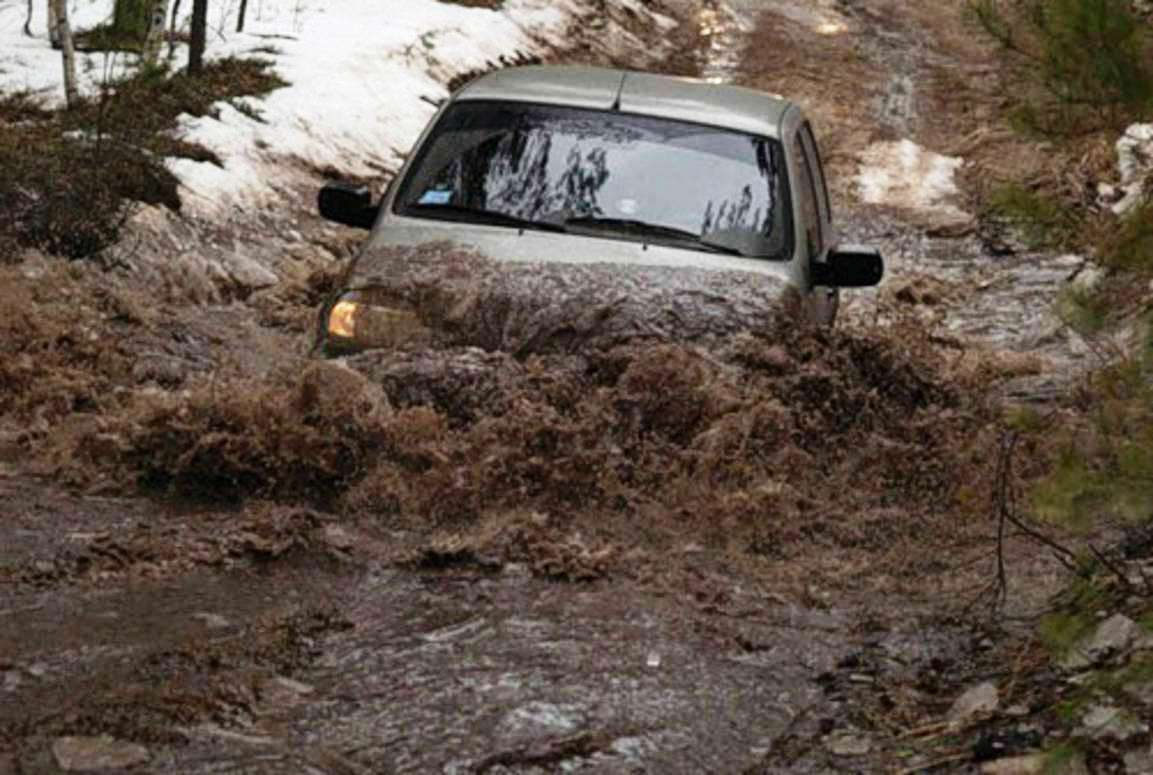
616	107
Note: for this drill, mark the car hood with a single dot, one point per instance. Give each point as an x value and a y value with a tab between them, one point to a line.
499	289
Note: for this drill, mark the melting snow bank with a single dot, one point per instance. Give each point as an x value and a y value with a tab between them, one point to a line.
364	76
364	82
1134	163
904	175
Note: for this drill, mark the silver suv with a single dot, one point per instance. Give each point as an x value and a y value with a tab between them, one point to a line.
546	206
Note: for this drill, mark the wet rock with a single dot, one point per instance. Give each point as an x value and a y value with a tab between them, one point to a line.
848	744
282	692
292	685
1034	764
1134	162
1142	691
537	719
1113	636
1108	722
1139	762
212	621
980	700
338	538
245	272
331	388
1088	278
93	754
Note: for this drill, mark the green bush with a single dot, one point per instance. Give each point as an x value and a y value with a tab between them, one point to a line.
1130	247
1042	221
1083	61
1107	471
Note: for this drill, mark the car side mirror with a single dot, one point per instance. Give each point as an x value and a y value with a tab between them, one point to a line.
850	267
347	203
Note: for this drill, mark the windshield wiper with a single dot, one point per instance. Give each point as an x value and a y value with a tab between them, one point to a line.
642	228
488	217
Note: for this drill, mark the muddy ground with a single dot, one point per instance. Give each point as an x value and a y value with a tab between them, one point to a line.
470	562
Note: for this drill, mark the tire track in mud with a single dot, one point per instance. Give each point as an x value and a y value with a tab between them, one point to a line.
983	301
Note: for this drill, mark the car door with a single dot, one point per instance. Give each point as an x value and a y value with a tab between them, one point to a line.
816	210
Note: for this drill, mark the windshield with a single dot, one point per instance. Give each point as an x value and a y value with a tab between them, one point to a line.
618	175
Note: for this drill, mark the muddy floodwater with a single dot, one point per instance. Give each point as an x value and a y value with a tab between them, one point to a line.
543	546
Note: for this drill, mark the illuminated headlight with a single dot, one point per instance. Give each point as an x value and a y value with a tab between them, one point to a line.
359	322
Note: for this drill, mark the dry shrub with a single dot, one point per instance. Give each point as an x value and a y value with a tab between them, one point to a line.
306	438
70	197
69	180
836	450
60	349
769	447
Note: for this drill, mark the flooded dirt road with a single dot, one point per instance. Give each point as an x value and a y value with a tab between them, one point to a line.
881	83
754	559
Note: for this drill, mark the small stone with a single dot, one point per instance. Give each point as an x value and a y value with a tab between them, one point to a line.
1107	722
861	678
848	744
654	660
1017	711
1034	764
338	538
1088	279
1139	762
981	700
212	621
283	692
92	754
1112	636
293	685
1141	691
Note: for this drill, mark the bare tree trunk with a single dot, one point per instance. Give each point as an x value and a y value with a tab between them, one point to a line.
172	30
28	20
199	36
53	29
154	35
64	35
241	15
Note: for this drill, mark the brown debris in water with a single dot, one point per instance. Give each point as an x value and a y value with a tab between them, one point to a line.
840	448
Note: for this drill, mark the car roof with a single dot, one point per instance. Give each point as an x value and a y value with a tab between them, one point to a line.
685	99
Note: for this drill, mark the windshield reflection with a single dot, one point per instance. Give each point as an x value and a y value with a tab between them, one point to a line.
551	165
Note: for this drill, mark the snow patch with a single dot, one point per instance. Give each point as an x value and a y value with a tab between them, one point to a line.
363	76
1134	163
904	175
